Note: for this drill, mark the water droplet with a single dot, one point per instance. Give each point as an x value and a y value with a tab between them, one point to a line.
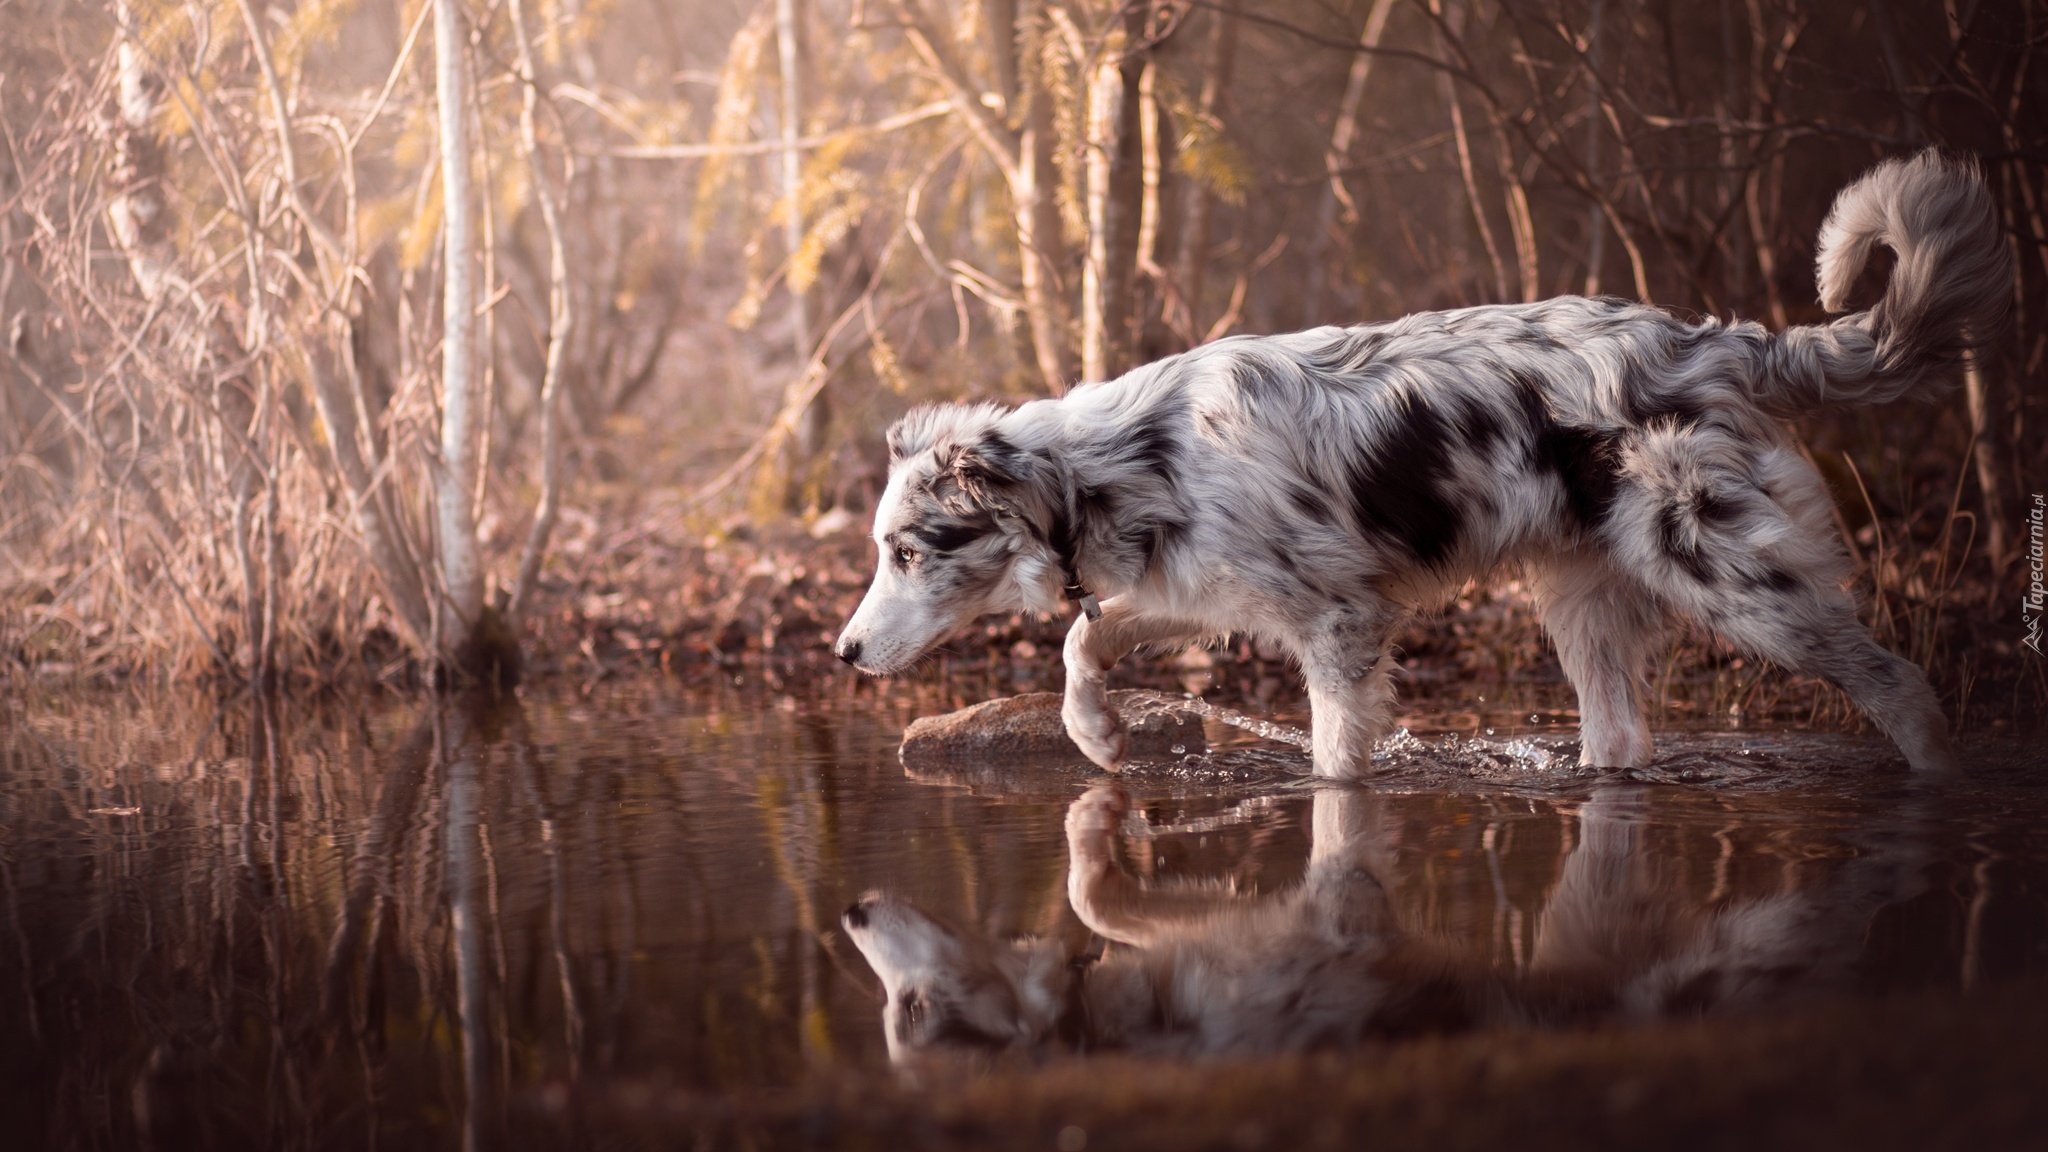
1489	731
1179	750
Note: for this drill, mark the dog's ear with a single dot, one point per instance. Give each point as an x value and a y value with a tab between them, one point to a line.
989	461
938	424
984	471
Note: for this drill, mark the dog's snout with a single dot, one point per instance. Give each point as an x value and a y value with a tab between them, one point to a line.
849	651
855	916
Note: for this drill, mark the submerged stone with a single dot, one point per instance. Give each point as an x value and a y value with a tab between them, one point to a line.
1160	726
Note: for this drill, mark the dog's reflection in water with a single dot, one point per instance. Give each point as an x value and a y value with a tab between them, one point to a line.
1333	961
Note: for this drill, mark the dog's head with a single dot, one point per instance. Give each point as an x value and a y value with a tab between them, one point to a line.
954	991
954	529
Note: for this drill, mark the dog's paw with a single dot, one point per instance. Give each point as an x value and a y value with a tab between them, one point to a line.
1097	732
1101	808
1093	822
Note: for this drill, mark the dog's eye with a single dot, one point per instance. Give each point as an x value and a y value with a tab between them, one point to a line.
905	554
913	1008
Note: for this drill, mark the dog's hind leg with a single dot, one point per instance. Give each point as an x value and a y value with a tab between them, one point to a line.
1605	627
1350	685
1814	631
1742	537
1093	648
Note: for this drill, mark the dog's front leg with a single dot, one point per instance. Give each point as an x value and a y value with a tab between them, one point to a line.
1093	648
1105	897
1350	687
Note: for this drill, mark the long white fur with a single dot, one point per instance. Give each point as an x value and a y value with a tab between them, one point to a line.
1315	488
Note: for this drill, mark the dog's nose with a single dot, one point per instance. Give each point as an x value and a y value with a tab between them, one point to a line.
849	651
855	916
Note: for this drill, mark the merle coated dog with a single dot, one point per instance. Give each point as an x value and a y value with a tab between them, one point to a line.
1315	489
1338	959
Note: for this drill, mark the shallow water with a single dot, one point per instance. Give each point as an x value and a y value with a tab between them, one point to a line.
401	925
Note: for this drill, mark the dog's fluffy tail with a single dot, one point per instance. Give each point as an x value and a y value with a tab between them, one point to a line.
1949	291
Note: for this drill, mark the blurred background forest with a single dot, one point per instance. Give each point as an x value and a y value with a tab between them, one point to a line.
287	396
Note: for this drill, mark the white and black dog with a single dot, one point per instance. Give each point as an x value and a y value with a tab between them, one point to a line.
1196	969
1314	489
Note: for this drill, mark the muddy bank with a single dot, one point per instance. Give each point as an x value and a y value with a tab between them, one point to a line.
1917	1073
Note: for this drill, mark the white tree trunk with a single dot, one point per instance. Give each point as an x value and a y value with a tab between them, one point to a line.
462	589
1105	98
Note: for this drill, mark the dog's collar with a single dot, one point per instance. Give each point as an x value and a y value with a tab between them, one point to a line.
1090	606
1060	538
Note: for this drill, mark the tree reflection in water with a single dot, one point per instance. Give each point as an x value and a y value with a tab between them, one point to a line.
289	923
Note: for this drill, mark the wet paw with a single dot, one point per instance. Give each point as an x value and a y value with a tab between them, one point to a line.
1093	822
1101	808
1098	732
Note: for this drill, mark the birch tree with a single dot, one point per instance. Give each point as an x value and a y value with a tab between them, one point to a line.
467	631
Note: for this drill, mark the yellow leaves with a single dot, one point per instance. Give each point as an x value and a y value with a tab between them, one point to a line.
882	358
584	28
747	311
381	219
831	200
827	227
1204	153
511	188
1217	164
172	118
170	29
314	24
1060	57
731	113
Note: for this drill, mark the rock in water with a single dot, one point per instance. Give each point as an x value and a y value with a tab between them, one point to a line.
1161	727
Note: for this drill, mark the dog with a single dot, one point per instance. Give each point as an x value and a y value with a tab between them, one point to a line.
1333	961
1316	489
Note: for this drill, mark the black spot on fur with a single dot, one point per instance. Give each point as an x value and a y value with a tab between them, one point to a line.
1480	425
1586	464
954	1032
1671	534
1399	490
1152	443
997	458
1713	509
1585	460
1775	579
950	536
1310	503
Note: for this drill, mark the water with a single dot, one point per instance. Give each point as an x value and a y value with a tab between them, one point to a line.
402	925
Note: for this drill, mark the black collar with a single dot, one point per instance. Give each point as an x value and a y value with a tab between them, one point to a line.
1060	539
1090	606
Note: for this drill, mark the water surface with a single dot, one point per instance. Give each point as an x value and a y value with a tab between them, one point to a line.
402	924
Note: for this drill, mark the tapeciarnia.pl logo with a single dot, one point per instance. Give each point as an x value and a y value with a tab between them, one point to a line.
2036	597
